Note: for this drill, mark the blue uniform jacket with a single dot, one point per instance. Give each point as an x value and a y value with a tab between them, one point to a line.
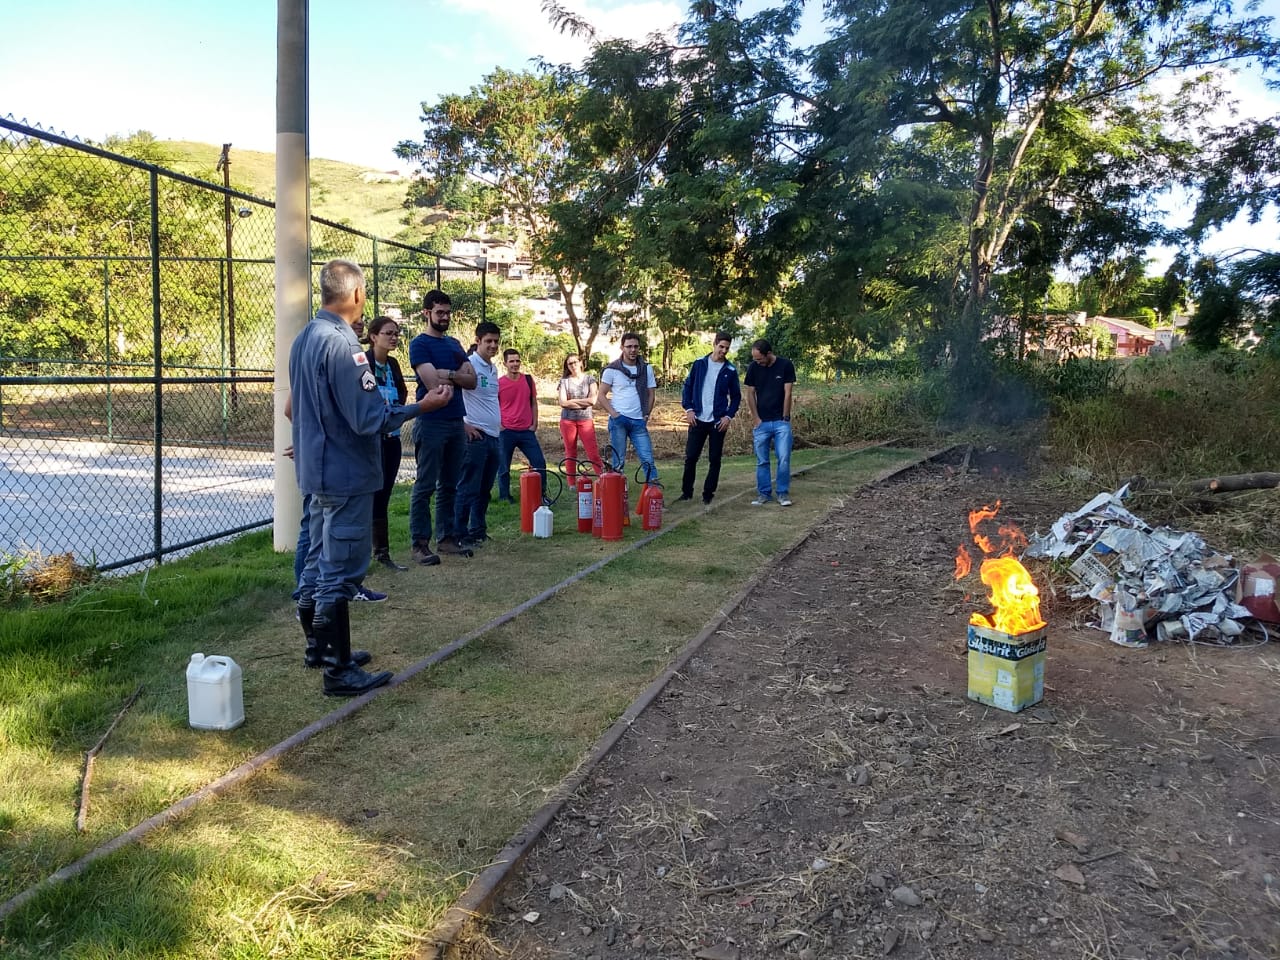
728	394
338	414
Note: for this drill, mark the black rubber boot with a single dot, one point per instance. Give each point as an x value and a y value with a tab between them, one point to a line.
316	655
381	546
343	678
306	617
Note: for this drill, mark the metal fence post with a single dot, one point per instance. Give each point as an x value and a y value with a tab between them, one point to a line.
222	344
157	346
106	323
377	310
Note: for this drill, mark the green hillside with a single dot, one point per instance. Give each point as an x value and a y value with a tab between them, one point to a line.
337	192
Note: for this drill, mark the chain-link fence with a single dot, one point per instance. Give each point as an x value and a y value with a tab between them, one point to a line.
137	329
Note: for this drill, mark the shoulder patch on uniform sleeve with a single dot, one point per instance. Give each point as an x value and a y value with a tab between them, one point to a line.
368	381
361	359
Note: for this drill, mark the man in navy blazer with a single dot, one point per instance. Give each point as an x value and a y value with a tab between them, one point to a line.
710	398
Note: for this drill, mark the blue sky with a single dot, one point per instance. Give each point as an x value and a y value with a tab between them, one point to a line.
205	69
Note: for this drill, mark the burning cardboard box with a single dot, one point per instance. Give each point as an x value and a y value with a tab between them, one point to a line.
1006	649
1005	670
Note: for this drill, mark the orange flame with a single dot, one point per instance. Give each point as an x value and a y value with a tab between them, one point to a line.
1014	596
982	513
1011	538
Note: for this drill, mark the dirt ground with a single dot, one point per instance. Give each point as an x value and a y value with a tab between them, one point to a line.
817	784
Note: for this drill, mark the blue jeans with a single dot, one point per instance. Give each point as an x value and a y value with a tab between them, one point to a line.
438	447
526	441
341	540
479	467
622	428
778	434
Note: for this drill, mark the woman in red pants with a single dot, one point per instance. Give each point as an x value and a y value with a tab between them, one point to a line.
577	392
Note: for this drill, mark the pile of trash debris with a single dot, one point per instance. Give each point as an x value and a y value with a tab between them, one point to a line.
1156	583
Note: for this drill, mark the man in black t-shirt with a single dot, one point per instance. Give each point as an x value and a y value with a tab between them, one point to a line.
769	381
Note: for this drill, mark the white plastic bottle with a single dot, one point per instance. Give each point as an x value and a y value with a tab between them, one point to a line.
543	519
215	693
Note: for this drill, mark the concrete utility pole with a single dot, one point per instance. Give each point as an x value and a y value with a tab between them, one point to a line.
293	244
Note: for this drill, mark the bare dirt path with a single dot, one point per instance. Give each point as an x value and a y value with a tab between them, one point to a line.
818	785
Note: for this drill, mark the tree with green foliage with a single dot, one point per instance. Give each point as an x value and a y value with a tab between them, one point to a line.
1118	288
510	134
676	148
1242	175
1042	103
1219	314
88	221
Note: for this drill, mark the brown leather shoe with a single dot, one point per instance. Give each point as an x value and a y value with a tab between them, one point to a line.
453	547
422	554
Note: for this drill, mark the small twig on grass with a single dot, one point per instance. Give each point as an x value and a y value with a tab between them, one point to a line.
83	810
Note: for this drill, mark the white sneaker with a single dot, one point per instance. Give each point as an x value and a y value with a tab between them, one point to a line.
784	501
761	501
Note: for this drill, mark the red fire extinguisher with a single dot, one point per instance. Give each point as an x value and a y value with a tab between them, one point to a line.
597	511
584	488
597	504
612	508
649	506
530	498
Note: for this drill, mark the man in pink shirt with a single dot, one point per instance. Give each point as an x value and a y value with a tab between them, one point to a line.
518	400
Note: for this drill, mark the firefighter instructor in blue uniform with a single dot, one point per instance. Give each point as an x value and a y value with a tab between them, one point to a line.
339	418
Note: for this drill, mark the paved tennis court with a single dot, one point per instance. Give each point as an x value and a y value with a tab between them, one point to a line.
97	499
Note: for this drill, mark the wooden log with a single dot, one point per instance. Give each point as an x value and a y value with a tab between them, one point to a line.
1239	481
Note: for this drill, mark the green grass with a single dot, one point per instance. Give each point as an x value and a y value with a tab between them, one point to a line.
337	192
356	841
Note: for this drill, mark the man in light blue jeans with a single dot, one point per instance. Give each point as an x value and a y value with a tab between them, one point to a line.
623	428
769	381
627	388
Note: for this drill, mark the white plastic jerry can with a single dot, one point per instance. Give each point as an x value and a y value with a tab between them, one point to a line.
215	693
543	520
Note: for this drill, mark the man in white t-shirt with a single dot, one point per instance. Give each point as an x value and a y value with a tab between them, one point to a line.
627	389
482	423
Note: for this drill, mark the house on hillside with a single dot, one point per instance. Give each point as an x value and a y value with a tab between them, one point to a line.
499	257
